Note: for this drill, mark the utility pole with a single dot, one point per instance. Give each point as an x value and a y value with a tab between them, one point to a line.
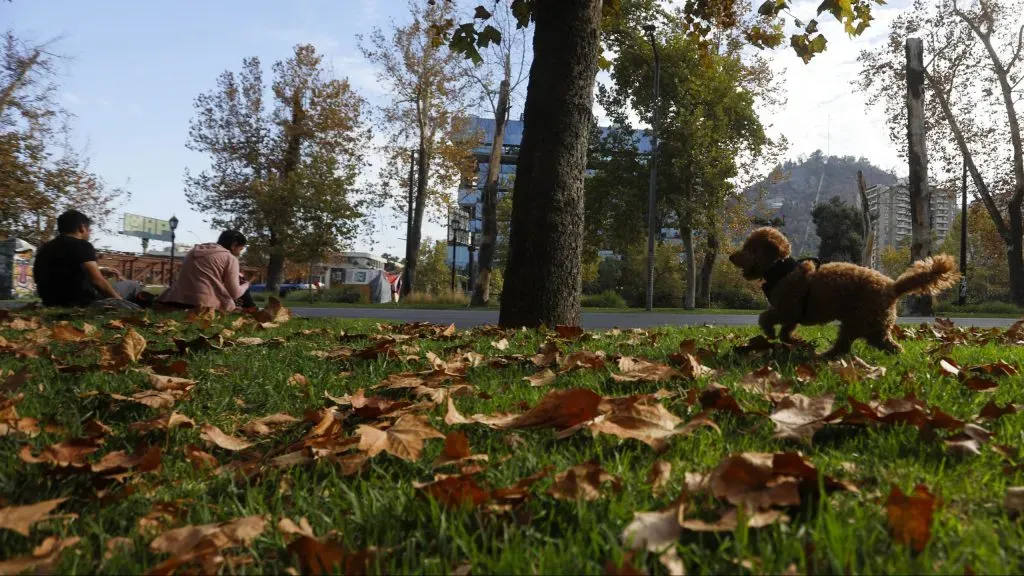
962	299
451	244
652	187
408	222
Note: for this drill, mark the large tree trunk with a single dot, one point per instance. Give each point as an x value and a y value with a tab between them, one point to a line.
482	290
543	274
865	215
707	267
1015	250
920	191
690	272
412	248
275	269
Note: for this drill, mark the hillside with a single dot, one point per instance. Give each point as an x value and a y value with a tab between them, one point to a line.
793	197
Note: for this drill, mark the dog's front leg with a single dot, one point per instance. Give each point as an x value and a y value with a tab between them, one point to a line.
768	320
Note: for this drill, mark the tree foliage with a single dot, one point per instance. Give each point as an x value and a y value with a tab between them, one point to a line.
429	90
434	272
41	174
282	171
839	227
973	72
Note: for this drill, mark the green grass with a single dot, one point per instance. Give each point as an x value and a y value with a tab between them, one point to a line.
844	533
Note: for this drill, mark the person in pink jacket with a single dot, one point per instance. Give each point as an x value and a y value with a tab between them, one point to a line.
209	277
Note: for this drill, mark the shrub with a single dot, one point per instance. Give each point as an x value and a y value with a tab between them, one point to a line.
344	295
606	299
442	299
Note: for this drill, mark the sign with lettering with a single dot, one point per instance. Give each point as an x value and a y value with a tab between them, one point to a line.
145	227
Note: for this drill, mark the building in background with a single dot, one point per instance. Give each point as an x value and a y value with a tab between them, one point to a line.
470	194
889	207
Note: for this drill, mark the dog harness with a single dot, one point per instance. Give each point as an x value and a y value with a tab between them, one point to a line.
780	270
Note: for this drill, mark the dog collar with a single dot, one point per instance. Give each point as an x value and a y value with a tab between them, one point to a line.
780	270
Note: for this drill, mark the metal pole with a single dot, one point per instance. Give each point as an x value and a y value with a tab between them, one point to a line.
408	223
451	244
652	188
963	237
172	258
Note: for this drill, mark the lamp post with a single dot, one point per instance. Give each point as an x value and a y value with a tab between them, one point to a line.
173	222
962	299
652	189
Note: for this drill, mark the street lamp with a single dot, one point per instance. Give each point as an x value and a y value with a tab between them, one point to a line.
173	222
652	191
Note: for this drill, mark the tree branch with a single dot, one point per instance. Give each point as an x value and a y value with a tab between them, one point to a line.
1016	53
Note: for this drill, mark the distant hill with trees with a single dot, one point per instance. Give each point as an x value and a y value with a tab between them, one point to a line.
790	195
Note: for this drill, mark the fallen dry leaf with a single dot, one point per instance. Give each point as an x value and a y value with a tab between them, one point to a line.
855	370
204	543
214	435
456	491
404	439
980	384
758	481
729	521
643	419
298	380
798	417
949	367
1014	501
582	359
804	373
583	482
145	459
640	370
266	425
200	459
559	409
543	378
501	344
44	558
967	442
21	518
162	422
327	557
65	332
569	332
910	516
659	475
658	532
456	450
992	411
274	312
999	368
118	545
168	383
71	452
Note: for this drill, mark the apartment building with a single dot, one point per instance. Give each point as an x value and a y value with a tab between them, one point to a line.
889	207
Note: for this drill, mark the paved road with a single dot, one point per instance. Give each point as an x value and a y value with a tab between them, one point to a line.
591	320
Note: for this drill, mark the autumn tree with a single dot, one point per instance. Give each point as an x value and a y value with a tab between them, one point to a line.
499	74
707	125
435	275
429	87
281	171
41	174
838	225
542	276
972	72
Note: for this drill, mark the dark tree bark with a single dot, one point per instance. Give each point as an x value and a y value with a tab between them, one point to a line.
706	268
543	274
482	290
289	164
412	249
865	215
920	192
690	270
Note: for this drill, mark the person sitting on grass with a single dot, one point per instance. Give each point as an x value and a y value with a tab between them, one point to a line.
209	277
67	274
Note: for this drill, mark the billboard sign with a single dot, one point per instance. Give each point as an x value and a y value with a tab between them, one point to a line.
145	227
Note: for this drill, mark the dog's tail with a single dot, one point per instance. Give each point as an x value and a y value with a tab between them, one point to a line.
929	276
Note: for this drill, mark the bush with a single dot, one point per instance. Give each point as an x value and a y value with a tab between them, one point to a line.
979	308
606	299
443	299
344	295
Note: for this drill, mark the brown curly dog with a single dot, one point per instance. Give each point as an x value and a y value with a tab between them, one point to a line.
861	299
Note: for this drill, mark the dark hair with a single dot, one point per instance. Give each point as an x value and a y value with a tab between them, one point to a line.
231	238
70	221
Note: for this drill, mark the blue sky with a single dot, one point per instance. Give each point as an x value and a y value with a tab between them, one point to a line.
136	65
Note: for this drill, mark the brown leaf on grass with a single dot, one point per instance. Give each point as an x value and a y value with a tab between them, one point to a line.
560	409
999	368
980	384
199	458
204	543
404	439
501	344
804	373
155	399
1014	501
118	545
168	383
569	332
757	481
455	491
583	482
659	475
625	568
543	378
717	397
162	422
44	558
71	453
130	346
547	355
65	332
798	417
214	435
992	411
764	381
456	450
266	425
298	380
697	483
145	459
645	420
658	532
949	367
518	492
274	312
968	442
640	370
454	417
16	381
910	516
689	365
730	520
327	557
401	381
582	359
21	518
856	370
